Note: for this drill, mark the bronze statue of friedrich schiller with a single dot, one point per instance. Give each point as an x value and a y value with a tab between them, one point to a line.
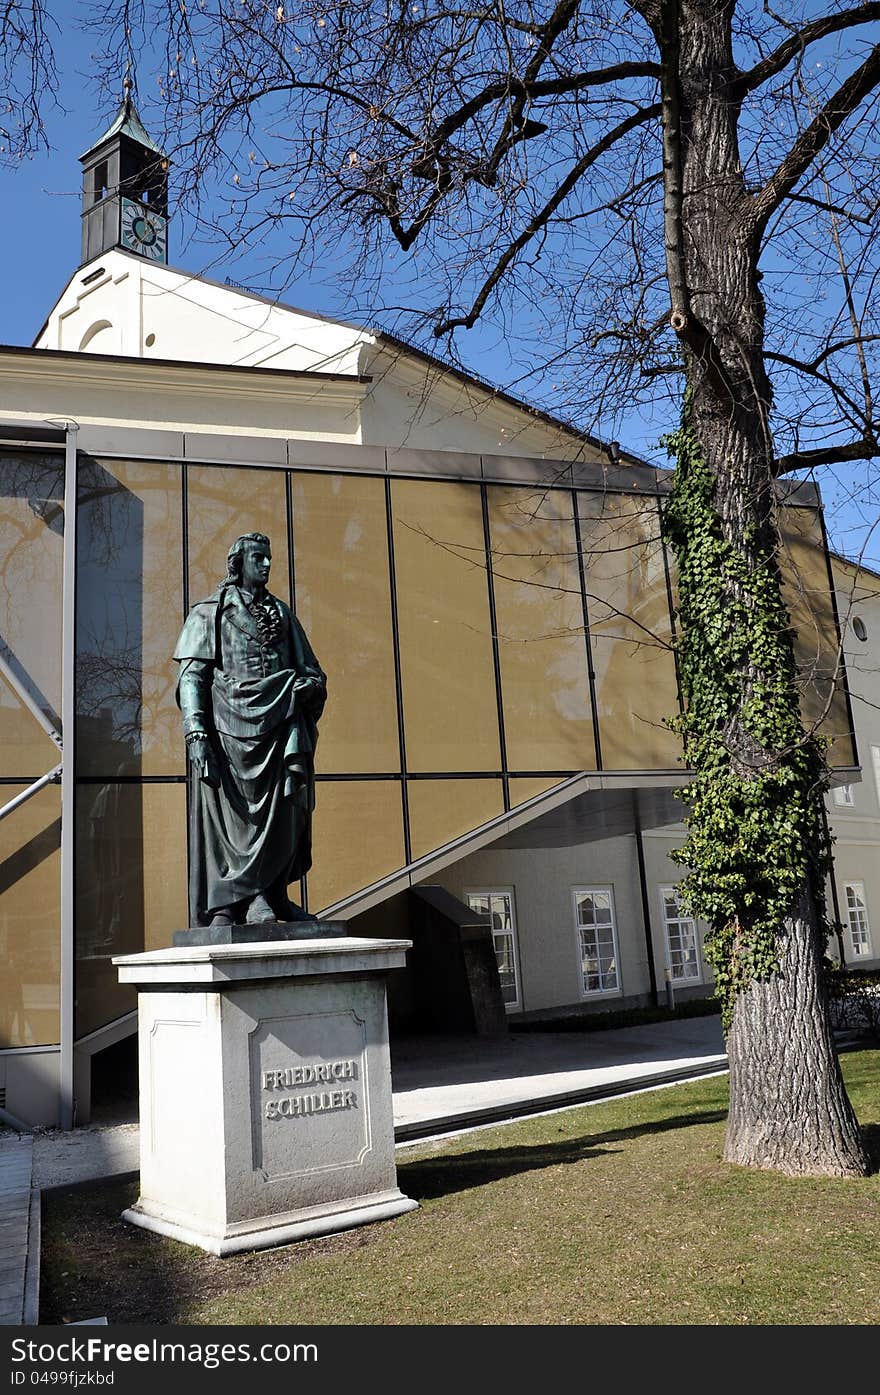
251	692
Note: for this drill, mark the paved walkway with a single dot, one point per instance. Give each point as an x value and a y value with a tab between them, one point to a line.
16	1293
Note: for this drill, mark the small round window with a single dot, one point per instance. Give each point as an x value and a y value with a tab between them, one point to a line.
860	629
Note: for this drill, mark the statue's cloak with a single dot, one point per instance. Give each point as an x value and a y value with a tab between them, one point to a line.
251	831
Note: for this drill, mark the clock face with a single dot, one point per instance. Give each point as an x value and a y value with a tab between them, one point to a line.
143	231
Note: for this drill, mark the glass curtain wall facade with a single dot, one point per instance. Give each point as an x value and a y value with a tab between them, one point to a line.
483	642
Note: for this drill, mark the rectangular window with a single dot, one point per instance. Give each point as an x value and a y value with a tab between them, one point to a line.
597	938
843	796
100	189
857	911
681	938
498	905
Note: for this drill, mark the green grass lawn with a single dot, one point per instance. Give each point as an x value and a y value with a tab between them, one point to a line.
620	1212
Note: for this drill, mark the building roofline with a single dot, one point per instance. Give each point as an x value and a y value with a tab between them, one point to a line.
70	355
392	341
856	562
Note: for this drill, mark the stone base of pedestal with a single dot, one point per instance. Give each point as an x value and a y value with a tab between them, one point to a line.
265	1090
277	1230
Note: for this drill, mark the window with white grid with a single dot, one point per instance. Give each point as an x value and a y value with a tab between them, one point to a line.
681	938
597	938
498	906
843	796
857	912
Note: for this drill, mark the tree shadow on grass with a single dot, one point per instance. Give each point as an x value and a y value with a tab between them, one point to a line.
427	1178
871	1137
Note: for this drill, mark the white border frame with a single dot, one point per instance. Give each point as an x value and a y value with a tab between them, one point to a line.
517	1004
700	978
593	994
859	887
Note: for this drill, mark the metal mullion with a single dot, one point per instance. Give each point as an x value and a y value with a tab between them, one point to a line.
591	672
669	601
496	655
398	678
68	784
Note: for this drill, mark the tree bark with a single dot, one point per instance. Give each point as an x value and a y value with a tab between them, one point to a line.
788	1106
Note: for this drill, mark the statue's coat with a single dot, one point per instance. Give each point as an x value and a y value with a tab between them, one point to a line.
252	830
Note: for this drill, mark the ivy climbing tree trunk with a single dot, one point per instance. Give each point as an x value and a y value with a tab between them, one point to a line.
756	843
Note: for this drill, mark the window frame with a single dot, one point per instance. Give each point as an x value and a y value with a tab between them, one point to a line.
858	888
671	888
516	1005
593	993
842	796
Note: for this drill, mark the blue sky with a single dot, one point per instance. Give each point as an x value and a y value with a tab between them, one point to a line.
39	250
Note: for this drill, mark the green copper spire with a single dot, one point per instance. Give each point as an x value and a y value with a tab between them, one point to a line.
126	123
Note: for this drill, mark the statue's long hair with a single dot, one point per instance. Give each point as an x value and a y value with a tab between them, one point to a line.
234	557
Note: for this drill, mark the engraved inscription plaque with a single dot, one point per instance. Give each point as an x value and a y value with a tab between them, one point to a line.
309	1094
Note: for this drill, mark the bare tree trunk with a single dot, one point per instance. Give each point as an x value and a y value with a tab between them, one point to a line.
788	1107
780	1050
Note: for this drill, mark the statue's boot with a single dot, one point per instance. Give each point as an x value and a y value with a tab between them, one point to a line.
223	916
259	911
286	909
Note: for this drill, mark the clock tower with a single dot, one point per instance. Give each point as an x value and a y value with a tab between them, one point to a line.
125	190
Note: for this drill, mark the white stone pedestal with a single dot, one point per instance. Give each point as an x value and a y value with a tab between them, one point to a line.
265	1090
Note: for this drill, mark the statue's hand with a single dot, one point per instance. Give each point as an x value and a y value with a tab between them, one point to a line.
202	756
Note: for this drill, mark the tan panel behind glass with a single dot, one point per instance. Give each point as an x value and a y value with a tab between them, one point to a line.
30	916
224	502
807	594
131	887
440	810
630	629
129	612
543	653
523	790
31	559
357	838
25	749
447	669
343	598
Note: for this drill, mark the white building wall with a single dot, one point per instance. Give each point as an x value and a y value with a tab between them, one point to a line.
543	880
856	828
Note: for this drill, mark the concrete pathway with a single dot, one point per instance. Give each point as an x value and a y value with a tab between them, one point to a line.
441	1084
17	1296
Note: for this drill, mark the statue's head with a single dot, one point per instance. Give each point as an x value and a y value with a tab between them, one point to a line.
248	560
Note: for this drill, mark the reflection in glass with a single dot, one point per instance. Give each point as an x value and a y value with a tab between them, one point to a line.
129	609
131	886
222	503
594	909
539	613
440	810
30	911
807	594
498	906
630	630
31	560
447	669
343	598
357	838
525	789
